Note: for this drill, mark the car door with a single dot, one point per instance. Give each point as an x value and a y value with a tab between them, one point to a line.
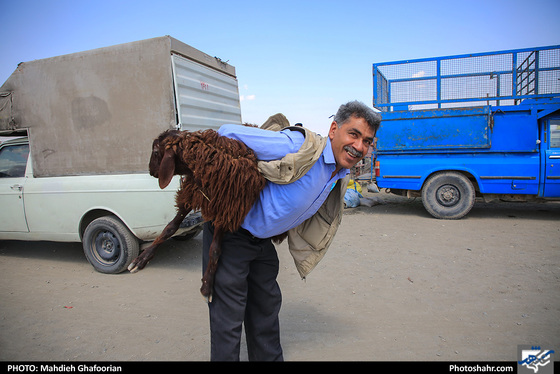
552	160
13	161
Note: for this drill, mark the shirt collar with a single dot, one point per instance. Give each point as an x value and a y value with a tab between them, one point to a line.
328	155
328	158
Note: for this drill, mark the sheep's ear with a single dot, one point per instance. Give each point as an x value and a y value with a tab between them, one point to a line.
166	168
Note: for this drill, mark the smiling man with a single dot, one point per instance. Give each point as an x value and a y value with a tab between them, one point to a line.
350	140
306	180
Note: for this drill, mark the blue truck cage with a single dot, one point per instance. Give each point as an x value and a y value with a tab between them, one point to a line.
494	78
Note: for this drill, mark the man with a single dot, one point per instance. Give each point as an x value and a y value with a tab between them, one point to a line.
304	174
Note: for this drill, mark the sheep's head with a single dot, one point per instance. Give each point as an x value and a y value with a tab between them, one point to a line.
162	160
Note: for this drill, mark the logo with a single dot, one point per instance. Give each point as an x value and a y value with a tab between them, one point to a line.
533	360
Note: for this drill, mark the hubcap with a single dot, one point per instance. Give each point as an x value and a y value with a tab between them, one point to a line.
448	195
107	246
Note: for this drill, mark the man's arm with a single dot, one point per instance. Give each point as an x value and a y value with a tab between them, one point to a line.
268	145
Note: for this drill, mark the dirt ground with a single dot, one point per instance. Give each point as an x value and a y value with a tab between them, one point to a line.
396	284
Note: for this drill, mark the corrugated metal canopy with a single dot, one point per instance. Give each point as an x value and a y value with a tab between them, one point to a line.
205	98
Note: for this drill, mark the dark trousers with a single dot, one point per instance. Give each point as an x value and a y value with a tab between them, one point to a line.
245	293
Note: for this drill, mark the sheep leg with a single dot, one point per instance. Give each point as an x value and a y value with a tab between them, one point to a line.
215	251
147	254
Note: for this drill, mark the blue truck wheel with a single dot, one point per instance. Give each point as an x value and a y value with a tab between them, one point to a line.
448	195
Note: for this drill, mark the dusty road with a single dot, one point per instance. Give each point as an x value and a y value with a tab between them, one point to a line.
395	285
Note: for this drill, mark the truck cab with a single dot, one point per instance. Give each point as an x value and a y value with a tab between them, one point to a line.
551	157
107	213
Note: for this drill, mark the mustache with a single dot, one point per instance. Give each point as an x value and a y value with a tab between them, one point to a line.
353	151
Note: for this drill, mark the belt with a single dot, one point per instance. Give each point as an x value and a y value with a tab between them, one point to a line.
248	234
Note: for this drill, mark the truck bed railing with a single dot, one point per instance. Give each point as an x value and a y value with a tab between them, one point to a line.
494	78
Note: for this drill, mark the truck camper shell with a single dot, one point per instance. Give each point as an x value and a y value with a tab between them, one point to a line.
97	112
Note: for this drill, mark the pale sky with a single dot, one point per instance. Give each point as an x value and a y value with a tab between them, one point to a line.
302	58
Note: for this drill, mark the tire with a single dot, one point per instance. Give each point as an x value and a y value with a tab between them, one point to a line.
109	245
448	195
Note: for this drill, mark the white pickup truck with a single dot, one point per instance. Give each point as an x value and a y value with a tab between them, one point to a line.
77	137
109	214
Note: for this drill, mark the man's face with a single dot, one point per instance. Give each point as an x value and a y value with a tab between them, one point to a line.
350	142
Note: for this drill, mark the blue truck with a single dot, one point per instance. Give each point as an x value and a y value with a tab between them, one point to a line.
462	127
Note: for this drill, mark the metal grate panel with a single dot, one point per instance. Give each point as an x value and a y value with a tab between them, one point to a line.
496	78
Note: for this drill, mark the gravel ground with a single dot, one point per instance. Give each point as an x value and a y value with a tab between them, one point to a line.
396	284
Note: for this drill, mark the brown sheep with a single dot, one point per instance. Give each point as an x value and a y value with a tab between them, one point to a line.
220	178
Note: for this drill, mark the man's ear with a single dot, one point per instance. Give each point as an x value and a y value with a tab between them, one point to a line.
332	129
166	168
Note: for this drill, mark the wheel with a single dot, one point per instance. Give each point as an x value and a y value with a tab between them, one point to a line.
109	245
448	195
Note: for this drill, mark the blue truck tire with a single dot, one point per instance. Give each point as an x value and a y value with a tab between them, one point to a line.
448	195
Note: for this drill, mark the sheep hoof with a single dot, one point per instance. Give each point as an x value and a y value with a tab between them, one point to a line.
207	296
206	290
133	268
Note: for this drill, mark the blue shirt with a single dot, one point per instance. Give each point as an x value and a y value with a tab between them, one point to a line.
282	207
